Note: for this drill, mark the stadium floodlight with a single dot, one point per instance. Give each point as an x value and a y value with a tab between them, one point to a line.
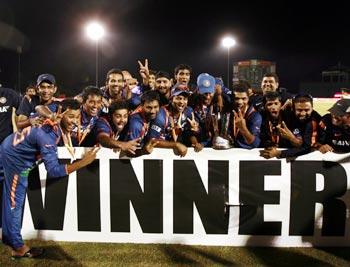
228	42
95	31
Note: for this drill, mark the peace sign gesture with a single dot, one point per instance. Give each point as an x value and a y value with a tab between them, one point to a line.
193	123
45	113
239	119
144	70
284	131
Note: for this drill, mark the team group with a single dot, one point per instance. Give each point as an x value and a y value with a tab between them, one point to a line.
159	111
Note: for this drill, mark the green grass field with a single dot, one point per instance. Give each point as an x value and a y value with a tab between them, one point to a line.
103	254
321	105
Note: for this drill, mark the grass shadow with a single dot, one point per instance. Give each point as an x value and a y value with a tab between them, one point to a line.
190	255
284	257
211	256
176	254
340	252
56	253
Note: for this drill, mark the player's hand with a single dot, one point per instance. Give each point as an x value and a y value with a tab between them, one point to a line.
180	149
90	156
239	120
36	121
193	123
130	146
325	148
197	147
284	131
270	152
287	104
105	102
57	116
148	148
144	70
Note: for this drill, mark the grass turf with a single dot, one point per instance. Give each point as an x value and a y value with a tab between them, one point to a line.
322	105
106	254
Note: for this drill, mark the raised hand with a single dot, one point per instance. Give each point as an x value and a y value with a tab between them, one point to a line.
45	113
144	70
90	156
287	104
284	131
105	102
36	121
193	123
57	117
239	120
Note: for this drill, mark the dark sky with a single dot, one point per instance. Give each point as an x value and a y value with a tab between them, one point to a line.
302	38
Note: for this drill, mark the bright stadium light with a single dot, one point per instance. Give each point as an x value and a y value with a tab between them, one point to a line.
228	42
95	31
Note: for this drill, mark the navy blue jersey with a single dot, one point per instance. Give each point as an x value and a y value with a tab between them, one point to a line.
27	107
105	125
306	129
270	136
139	127
83	136
23	149
257	100
253	122
136	94
19	154
8	99
181	125
204	115
338	137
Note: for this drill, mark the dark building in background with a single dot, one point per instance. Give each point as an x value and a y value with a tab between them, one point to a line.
334	80
252	71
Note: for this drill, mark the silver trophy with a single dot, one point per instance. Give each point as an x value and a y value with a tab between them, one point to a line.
221	140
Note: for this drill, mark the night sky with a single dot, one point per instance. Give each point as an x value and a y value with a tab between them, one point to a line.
302	39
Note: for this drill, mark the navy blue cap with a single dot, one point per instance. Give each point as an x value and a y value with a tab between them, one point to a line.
179	89
341	107
49	78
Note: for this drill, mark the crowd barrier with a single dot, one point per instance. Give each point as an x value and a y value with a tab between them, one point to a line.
216	197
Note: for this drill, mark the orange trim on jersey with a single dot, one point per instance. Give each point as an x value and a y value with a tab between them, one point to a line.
314	132
13	191
137	110
275	138
19	136
50	122
322	125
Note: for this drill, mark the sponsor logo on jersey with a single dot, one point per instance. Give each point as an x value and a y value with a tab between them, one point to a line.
3	100
296	131
156	128
4	109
